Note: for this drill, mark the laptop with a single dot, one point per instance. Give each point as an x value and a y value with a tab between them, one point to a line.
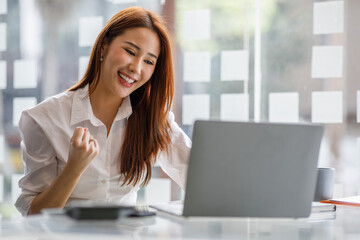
248	169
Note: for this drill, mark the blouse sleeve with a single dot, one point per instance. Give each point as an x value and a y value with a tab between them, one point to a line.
175	163
39	159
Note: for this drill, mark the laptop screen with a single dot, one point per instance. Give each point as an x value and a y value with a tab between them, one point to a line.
252	169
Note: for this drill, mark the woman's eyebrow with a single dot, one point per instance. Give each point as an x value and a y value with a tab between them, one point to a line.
138	48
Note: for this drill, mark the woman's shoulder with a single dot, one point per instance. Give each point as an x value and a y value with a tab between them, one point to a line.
53	106
171	116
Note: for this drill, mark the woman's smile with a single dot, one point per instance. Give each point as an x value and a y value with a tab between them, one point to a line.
126	80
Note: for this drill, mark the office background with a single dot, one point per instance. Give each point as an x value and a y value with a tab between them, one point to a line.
248	60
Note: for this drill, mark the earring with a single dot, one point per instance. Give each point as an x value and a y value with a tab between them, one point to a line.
101	58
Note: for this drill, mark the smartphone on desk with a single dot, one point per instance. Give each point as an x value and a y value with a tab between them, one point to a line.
105	212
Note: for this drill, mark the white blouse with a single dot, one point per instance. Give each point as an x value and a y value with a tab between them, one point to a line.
46	131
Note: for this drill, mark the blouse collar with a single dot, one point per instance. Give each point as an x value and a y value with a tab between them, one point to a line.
82	110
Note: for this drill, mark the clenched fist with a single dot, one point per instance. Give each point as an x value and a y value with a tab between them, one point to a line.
83	149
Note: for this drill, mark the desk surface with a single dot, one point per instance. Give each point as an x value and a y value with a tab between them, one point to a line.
163	226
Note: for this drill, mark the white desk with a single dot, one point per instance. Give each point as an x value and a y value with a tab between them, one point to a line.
346	225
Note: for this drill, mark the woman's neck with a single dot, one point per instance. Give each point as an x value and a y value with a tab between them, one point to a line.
105	107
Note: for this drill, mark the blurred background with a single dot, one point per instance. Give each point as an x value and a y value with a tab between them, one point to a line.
248	60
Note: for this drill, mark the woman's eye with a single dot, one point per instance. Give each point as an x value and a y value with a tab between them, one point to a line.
130	52
149	62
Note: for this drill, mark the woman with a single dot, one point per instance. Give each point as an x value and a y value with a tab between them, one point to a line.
99	140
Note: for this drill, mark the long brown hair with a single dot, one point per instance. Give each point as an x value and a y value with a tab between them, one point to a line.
148	129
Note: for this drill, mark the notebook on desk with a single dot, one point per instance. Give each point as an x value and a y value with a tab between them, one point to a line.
246	169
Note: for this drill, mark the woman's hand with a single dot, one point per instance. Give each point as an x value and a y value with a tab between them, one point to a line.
83	149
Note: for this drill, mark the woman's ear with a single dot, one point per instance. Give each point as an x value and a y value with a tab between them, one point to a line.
102	50
103	47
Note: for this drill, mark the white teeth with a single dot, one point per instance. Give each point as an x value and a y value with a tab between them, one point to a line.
128	80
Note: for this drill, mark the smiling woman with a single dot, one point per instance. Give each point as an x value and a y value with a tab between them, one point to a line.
99	140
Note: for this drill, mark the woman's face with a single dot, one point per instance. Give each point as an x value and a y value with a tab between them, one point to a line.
129	61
